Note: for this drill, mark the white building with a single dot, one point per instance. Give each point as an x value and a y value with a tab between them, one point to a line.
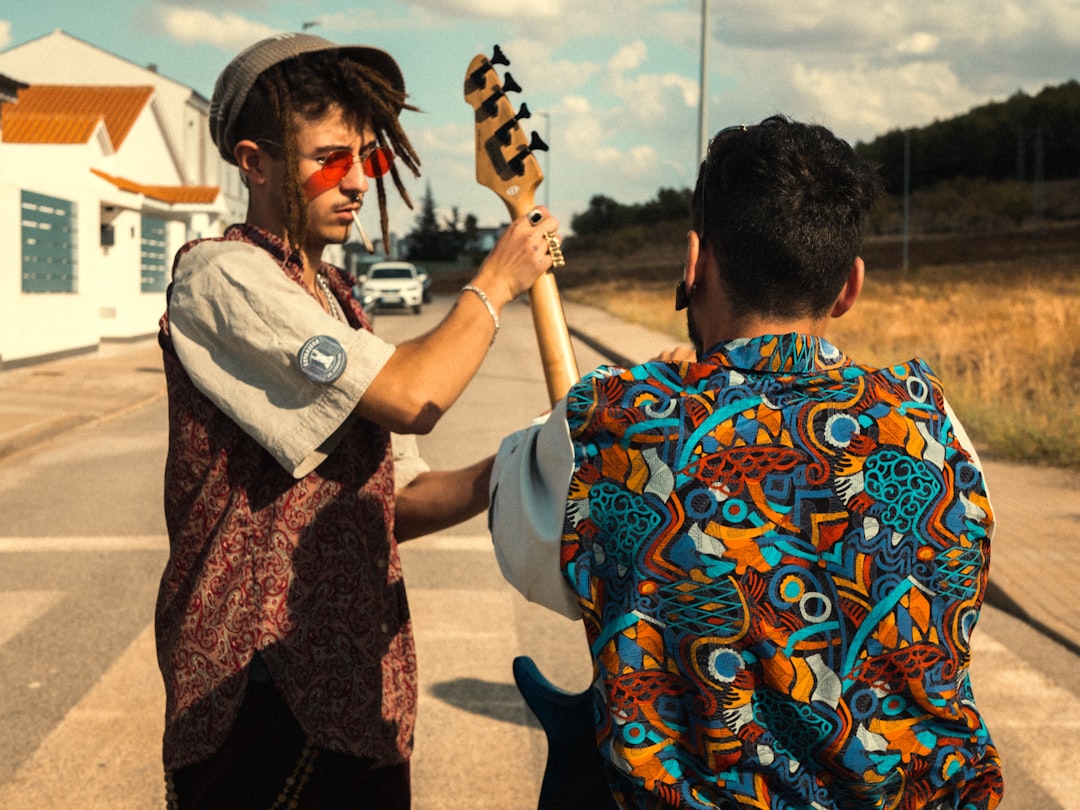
106	169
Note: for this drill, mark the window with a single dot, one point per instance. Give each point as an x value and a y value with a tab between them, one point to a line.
153	263
49	234
393	272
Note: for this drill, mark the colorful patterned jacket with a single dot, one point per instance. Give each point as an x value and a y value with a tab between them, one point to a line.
780	558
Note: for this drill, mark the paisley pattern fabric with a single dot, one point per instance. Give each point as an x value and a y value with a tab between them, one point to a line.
780	557
304	571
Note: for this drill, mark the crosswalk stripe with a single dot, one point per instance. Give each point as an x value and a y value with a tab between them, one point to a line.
19	608
106	752
1021	705
137	542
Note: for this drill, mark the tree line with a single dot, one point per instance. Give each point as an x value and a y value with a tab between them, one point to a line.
1025	138
997	164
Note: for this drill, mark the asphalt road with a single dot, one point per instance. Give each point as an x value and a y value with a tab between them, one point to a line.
82	546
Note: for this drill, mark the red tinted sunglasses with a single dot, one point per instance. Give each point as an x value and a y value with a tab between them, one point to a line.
333	167
375	163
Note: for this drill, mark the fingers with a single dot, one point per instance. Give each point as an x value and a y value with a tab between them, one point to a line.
540	219
528	249
554	249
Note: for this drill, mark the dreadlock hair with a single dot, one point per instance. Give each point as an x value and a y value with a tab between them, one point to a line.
303	89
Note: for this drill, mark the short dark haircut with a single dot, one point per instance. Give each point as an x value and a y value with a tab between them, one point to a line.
306	87
783	206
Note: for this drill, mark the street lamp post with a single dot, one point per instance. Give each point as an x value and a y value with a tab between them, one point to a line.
703	104
547	159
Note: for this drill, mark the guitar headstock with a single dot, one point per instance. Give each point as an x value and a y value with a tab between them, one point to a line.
504	156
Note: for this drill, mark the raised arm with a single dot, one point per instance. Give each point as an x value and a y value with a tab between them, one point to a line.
425	376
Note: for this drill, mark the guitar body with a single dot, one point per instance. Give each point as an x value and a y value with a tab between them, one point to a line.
574	776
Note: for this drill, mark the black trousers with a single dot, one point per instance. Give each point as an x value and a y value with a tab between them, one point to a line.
266	761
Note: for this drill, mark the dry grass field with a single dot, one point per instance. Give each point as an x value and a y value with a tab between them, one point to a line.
1004	336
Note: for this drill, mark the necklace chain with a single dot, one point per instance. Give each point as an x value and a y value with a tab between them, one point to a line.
331	301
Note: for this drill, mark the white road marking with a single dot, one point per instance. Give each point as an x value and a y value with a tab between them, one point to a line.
20	608
22	545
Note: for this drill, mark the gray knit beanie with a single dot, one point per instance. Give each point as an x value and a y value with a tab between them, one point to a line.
235	82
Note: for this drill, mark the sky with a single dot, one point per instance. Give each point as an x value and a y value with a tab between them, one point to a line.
614	86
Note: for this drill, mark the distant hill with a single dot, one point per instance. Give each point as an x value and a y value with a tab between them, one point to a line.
1026	139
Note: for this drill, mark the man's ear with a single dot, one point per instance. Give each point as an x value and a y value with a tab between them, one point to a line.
852	287
252	161
694	269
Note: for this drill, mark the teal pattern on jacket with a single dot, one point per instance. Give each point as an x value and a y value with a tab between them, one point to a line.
780	557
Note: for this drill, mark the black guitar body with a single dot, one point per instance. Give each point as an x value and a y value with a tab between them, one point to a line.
574	777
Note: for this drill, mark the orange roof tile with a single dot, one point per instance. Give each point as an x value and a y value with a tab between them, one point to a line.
20	127
192	195
52	107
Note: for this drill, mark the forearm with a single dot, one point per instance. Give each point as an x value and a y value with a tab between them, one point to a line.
439	499
427	374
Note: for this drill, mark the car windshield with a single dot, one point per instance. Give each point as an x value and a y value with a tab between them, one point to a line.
391	272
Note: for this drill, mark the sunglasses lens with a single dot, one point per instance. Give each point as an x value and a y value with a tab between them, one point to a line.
378	162
337	165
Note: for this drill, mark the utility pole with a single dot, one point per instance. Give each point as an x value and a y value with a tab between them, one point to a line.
703	104
547	159
907	195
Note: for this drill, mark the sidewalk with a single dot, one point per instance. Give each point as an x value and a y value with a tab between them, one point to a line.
42	401
1036	547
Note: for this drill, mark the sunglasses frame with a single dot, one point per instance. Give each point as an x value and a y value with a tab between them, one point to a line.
375	163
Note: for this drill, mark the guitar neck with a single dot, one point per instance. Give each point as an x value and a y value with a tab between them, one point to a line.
549	321
553	337
505	164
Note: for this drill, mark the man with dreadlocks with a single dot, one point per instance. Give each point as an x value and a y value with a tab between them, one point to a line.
283	631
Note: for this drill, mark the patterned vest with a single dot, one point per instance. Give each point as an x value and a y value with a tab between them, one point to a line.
780	558
304	571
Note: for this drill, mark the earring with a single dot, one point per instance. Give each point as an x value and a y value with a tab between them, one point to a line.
682	300
683	296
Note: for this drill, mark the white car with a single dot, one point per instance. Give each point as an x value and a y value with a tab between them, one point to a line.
394	284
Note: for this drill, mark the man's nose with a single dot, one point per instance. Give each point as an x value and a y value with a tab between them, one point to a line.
355	180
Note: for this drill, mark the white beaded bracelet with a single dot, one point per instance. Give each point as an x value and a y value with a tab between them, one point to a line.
491	310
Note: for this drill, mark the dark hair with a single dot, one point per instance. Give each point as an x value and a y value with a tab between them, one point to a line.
304	88
783	206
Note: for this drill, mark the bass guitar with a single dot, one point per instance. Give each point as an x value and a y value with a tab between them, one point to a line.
574	774
505	163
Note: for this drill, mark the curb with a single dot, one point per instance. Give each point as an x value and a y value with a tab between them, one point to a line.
57	426
38	432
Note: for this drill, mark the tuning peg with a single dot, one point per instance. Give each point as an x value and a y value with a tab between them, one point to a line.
498	57
523	112
478	76
509	85
536	143
517	162
491	103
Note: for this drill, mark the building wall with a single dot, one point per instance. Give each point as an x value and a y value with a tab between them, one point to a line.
168	145
41	324
59	58
108	301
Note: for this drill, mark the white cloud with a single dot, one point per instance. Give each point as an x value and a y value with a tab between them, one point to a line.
921	43
539	72
503	10
629	57
227	31
865	103
5	34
